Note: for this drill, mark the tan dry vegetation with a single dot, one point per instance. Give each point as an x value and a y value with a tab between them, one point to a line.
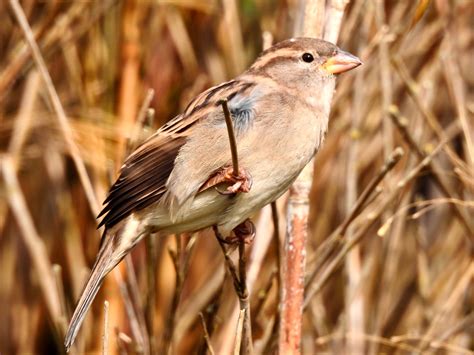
396	276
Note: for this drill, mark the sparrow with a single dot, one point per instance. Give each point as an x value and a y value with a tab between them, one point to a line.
181	179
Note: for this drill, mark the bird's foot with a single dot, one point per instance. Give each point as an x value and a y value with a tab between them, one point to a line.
244	232
241	182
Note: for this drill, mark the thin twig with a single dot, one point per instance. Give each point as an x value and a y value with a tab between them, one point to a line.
385	74
330	244
203	297
332	266
231	134
263	294
151	262
428	115
181	264
57	271
244	300
401	124
240	286
130	310
142	118
229	263
277	245
134	292
105	336
207	338
239	332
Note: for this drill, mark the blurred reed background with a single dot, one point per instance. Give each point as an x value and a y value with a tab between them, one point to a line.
399	280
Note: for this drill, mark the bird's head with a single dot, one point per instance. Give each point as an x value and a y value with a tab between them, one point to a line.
303	62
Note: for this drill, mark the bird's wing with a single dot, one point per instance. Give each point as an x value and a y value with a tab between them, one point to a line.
143	177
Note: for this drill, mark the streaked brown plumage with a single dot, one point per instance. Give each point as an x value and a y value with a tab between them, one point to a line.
280	109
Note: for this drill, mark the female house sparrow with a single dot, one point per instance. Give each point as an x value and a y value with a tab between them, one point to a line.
280	109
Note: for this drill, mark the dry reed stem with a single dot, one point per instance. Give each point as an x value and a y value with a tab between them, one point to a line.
202	298
57	272
181	39
408	274
243	340
293	268
181	260
144	115
359	235
240	280
367	338
23	121
233	43
332	242
207	338
385	75
128	97
136	302
455	84
401	123
33	242
333	20
354	297
105	334
130	310
20	60
239	331
428	115
58	108
455	298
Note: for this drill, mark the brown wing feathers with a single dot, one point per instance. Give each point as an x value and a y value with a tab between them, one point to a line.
143	177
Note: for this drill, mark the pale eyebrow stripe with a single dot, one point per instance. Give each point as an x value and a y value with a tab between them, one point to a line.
287	53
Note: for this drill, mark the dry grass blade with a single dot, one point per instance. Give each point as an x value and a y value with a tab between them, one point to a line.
105	336
400	123
387	264
58	108
33	242
333	241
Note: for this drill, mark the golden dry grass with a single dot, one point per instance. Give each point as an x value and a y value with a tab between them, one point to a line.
399	281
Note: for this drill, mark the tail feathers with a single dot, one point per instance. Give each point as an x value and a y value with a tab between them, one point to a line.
104	263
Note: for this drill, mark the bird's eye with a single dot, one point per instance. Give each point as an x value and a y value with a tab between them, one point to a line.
308	57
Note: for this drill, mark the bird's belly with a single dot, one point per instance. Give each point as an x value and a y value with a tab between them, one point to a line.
212	208
205	210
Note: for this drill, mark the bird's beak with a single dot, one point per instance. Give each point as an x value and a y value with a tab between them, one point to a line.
341	62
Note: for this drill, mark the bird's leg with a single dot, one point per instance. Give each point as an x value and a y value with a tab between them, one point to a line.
241	182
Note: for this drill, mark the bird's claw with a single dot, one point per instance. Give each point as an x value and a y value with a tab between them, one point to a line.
241	182
244	232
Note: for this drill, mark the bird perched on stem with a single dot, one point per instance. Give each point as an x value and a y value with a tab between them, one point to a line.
181	179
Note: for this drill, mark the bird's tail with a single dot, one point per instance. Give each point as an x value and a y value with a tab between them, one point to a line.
113	249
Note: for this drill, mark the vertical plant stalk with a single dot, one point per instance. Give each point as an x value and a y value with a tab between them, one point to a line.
128	98
105	337
207	337
231	134
294	260
385	76
58	107
354	295
293	266
181	258
33	242
244	333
